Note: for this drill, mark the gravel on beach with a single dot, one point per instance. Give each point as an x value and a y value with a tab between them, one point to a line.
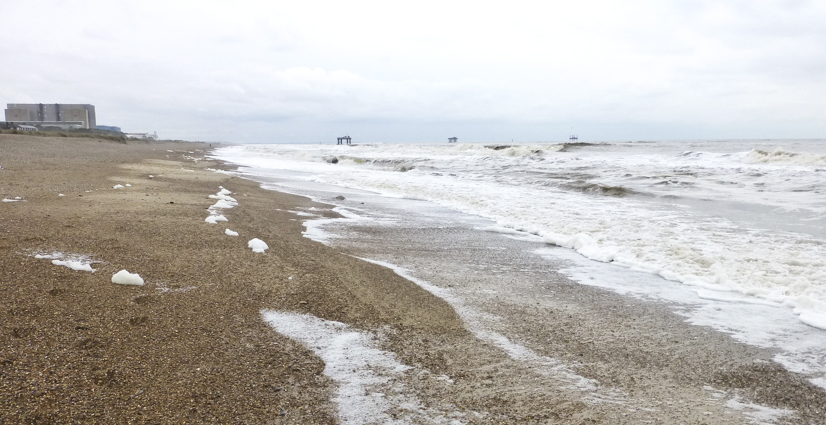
190	345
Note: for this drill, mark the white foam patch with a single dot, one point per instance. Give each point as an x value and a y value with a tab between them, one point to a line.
60	194
820	382
117	186
734	297
123	277
758	414
214	219
303	214
74	265
10	200
504	231
812	318
258	245
229	173
315	228
72	261
224	202
754	413
230	232
368	386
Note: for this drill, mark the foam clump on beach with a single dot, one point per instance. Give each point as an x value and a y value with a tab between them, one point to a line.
74	265
258	245
230	232
117	186
223	194
123	277
214	219
224	202
72	261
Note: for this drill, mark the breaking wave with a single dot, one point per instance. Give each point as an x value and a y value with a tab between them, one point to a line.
780	156
598	189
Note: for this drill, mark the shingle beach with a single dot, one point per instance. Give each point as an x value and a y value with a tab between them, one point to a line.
194	343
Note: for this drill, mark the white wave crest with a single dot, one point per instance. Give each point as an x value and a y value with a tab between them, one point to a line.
780	156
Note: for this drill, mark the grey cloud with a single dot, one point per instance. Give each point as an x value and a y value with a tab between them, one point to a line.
189	68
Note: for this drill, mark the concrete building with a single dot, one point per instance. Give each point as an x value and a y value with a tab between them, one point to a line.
61	115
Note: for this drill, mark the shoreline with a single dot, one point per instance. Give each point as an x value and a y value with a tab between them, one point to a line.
191	345
636	351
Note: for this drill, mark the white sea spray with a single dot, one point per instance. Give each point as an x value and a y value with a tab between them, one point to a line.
710	214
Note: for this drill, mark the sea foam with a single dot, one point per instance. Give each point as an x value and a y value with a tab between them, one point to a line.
732	216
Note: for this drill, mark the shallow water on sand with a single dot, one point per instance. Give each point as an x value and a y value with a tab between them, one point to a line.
496	278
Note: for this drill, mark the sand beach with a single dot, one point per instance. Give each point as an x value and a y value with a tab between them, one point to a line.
191	345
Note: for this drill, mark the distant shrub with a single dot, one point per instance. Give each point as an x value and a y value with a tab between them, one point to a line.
69	134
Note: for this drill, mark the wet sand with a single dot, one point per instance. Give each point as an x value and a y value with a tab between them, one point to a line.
190	346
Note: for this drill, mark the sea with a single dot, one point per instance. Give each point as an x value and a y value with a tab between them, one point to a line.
731	233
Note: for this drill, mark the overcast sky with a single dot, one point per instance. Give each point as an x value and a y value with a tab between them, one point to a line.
385	71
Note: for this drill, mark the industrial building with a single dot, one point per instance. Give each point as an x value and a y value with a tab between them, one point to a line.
60	115
143	136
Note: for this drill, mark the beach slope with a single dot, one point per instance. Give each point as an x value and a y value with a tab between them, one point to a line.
191	345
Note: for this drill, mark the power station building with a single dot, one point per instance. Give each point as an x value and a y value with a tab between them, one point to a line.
61	115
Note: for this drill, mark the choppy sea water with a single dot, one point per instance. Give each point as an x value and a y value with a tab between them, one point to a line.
737	226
